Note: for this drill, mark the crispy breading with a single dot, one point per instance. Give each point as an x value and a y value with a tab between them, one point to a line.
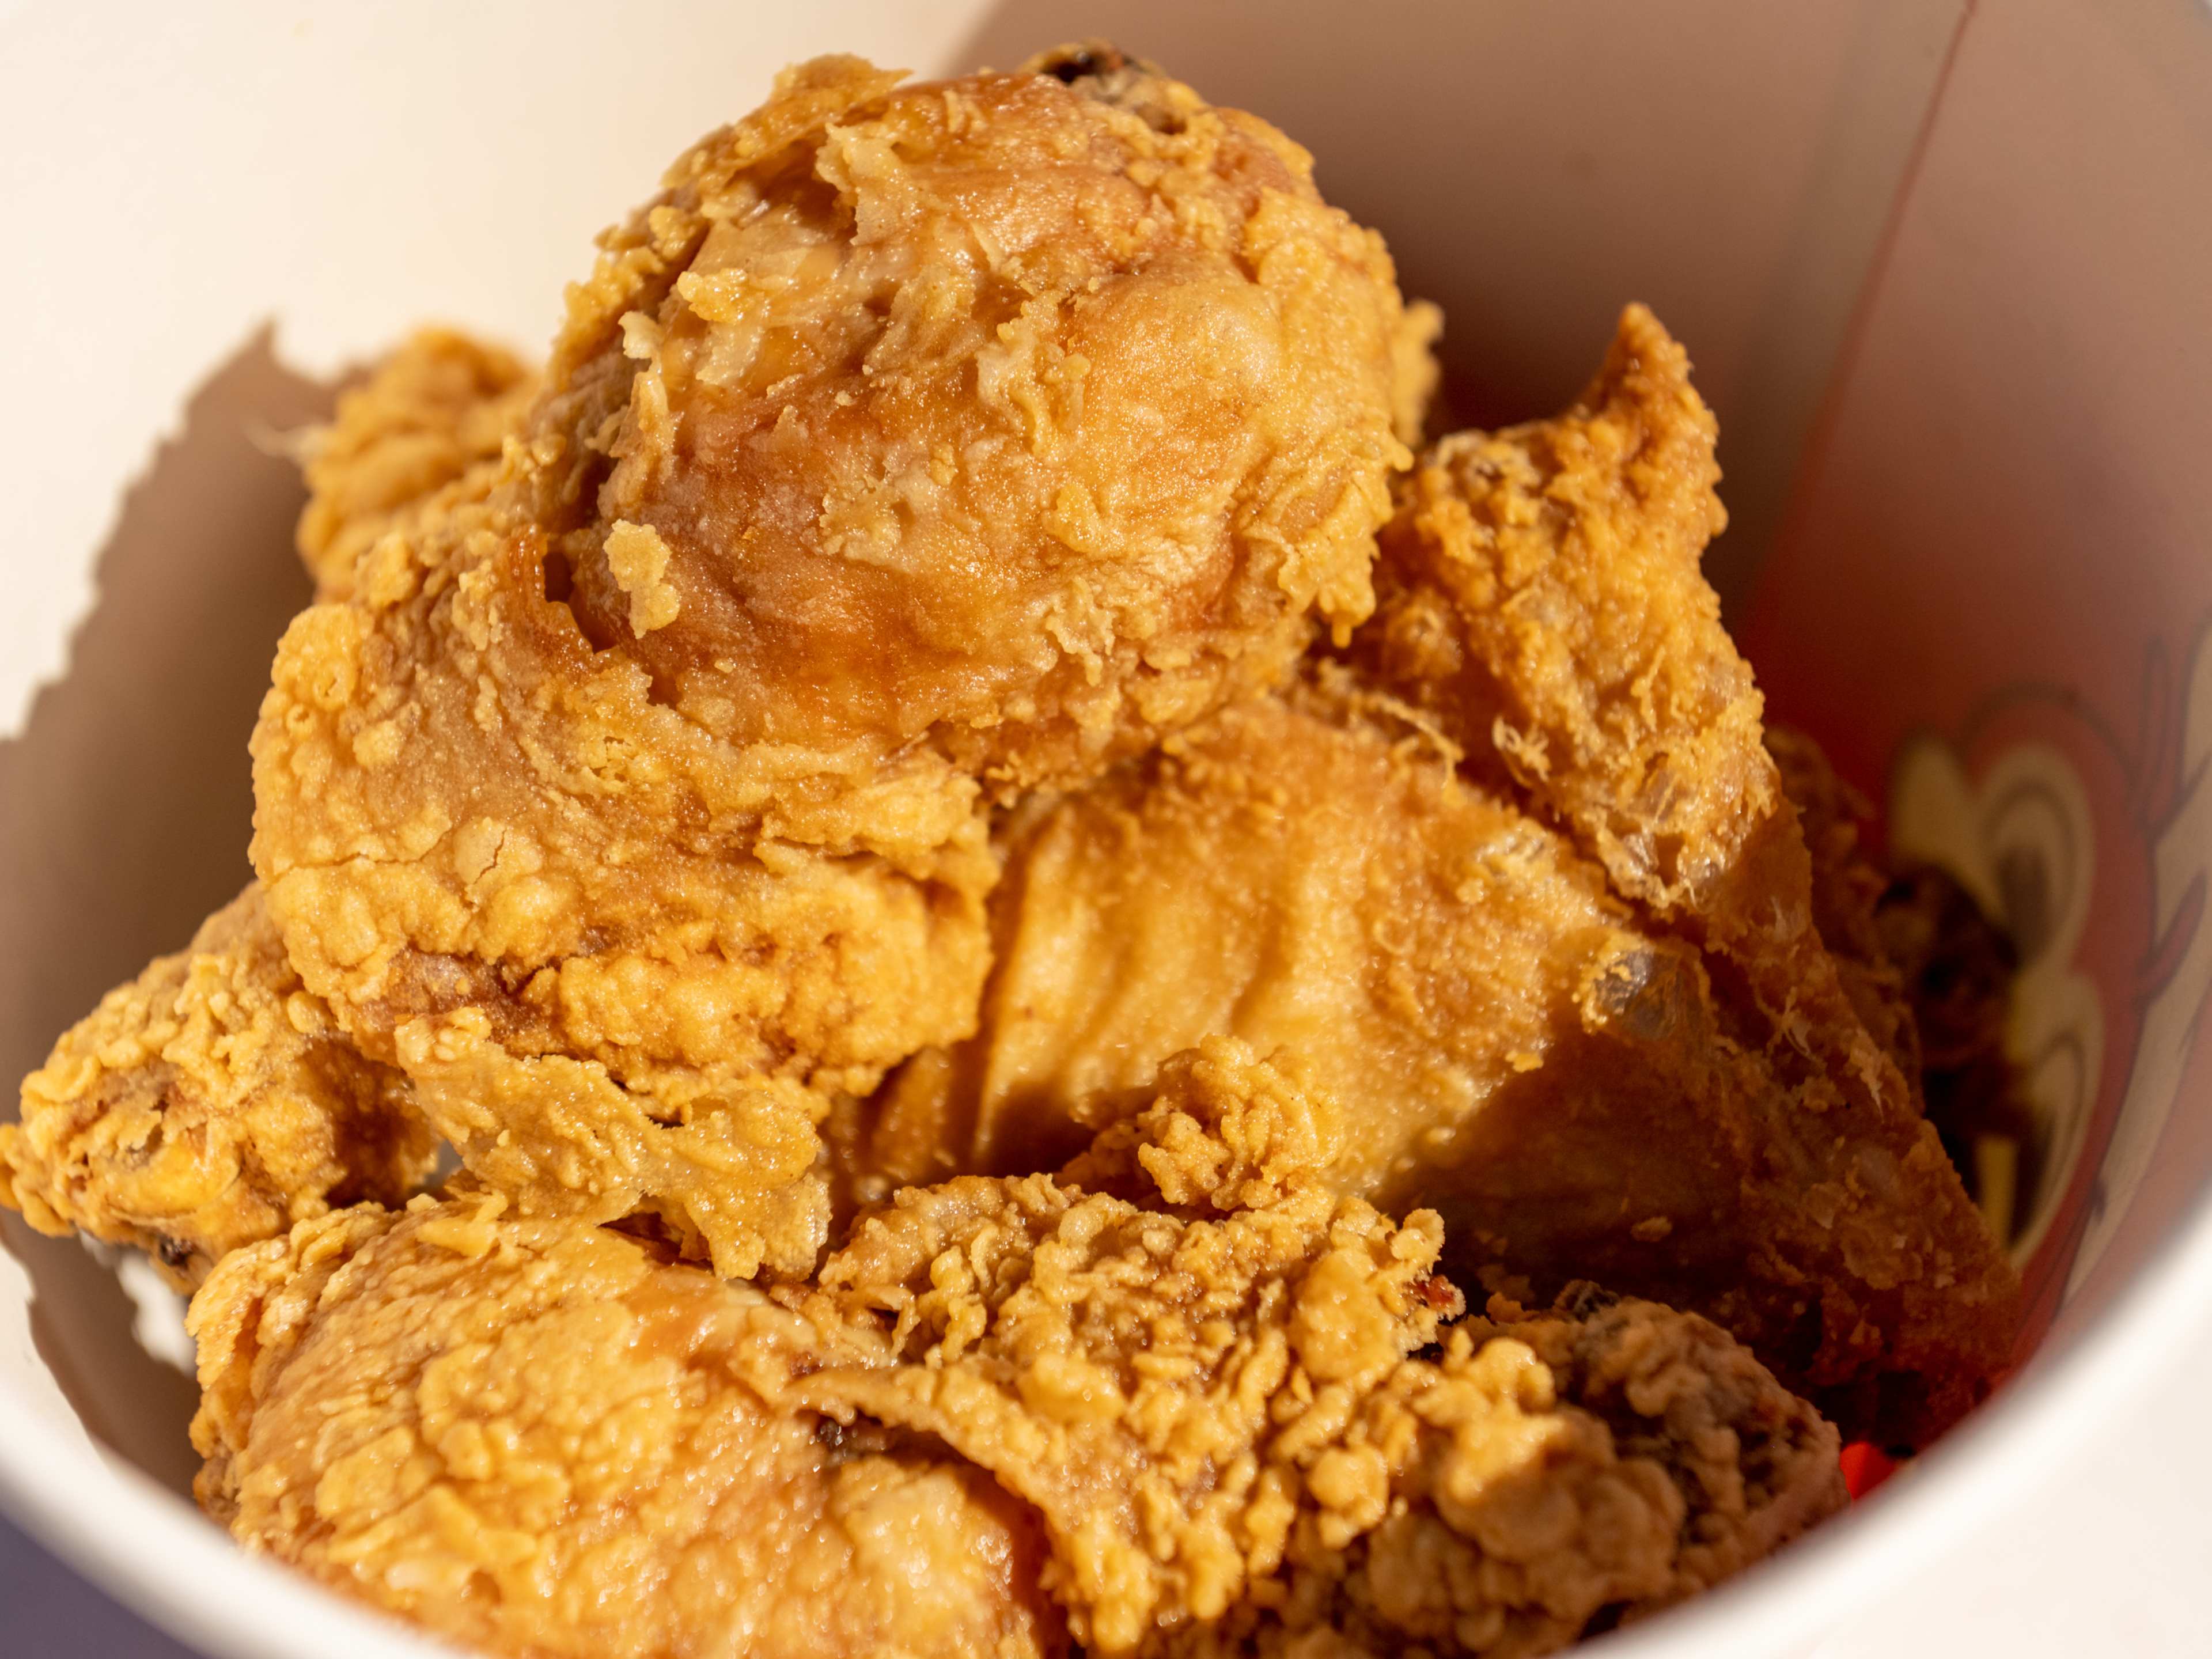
535	1438
912	446
1015	416
1539	596
423	430
1200	1402
215	1102
1207	1389
1139	1377
1552	1473
210	1103
1574	1088
1540	599
940	721
1220	1130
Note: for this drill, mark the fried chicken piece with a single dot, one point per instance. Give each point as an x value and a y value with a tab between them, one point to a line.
1551	1474
1571	1087
1194	1393
1539	596
1210	1403
913	447
210	1103
424	430
1133	1374
1018	416
535	1438
215	1102
1310	875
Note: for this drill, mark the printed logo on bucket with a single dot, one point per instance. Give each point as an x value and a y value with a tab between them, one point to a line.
2095	851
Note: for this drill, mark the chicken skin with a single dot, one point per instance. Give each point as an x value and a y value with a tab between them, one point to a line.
1195	1388
1566	1083
215	1102
425	429
914	447
211	1102
1540	600
535	1436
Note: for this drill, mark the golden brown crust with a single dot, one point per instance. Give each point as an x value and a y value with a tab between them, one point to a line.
1580	1093
1540	600
1205	1388
1548	1475
538	1436
914	445
424	429
1539	596
210	1103
534	1437
1219	1130
989	415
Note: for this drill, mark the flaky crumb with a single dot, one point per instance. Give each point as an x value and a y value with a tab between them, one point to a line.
639	561
210	1104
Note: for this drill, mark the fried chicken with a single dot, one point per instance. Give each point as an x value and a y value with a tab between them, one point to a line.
915	447
1540	597
1541	600
215	1102
1139	1377
1018	416
424	430
1569	1084
1197	1395
210	1103
1308	874
939	727
534	1436
1550	1475
1206	1386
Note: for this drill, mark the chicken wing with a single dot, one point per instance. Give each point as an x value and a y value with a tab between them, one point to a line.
914	447
210	1104
1540	598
